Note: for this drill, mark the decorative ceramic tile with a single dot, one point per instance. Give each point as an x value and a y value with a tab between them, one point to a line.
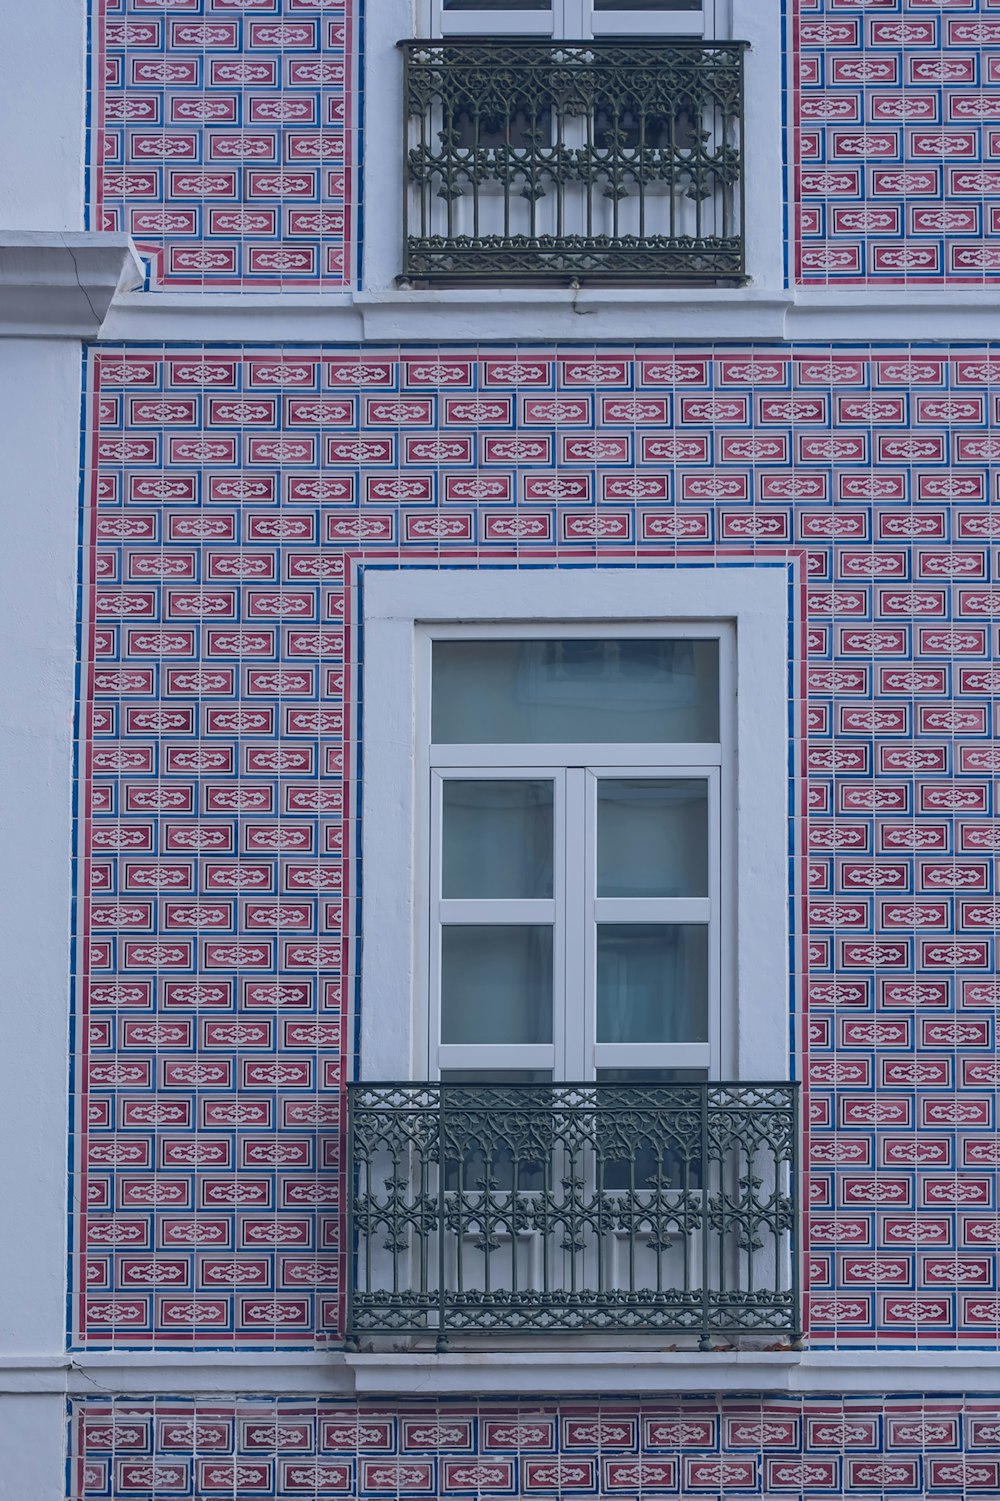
225	137
801	1449
235	497
896	112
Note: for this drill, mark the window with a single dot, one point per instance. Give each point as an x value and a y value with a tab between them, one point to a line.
575	794
743	764
570	144
571	18
574	963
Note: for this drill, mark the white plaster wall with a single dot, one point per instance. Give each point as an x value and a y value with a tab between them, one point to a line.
42	97
39	479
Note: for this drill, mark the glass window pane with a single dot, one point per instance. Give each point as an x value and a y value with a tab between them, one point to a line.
496	1076
537	692
666	5
496	839
498	4
651	1076
496	983
652	837
652	982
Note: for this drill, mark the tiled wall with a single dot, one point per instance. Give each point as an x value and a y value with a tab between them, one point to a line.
231	500
225	139
802	1450
897	141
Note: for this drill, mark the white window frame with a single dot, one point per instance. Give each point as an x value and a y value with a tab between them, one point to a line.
396	603
572	19
576	768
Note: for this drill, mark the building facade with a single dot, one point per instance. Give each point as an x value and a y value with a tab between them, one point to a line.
499	757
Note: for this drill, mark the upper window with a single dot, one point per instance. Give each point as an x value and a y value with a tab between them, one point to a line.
573	142
571	18
577	786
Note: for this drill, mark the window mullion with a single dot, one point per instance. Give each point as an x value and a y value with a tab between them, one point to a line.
575	1001
572	18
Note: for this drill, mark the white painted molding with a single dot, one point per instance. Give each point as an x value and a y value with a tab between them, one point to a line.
506	1373
656	1373
592	313
595	315
235	318
898	314
60	284
386	23
764	179
570	1374
208	1373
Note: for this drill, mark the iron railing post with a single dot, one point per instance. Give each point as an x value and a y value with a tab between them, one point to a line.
441	1343
705	1340
351	1247
795	1215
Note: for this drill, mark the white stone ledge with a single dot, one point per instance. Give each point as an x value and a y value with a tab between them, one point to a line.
209	1372
789	1373
533	1373
593	315
235	318
502	314
60	285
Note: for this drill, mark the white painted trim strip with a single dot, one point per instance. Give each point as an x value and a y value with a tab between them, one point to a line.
871	1373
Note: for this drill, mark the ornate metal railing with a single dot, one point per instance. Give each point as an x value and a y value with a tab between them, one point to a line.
554	1209
573	161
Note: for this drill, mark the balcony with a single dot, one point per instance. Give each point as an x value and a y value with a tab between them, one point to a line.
573	163
574	1210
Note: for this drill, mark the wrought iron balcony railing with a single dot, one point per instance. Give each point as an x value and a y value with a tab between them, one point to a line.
572	162
663	1209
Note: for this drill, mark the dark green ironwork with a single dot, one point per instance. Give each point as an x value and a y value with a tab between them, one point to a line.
573	162
665	1209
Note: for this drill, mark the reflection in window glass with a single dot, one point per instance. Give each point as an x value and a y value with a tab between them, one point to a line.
652	837
661	5
497	4
496	840
557	691
496	983
652	982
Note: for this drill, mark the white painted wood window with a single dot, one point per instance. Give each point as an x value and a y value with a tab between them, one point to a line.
574	19
577	787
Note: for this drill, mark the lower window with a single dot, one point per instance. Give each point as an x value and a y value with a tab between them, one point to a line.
556	1150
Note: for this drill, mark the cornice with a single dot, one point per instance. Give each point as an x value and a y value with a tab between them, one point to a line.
545	1374
59	285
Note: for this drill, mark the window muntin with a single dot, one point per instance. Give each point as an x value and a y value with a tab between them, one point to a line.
575	898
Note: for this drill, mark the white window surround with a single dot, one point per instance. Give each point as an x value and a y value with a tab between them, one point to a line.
753	599
445	314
